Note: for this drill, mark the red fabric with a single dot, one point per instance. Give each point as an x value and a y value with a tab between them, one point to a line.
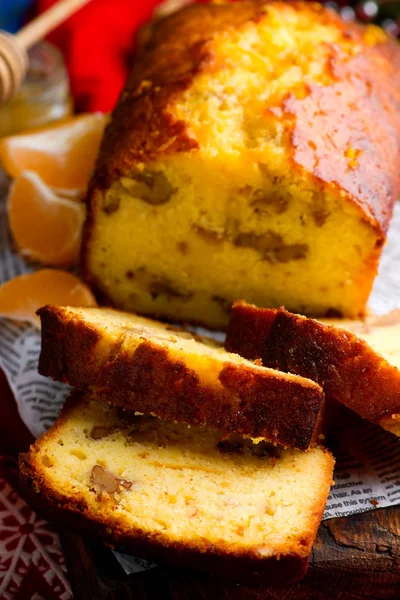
32	564
96	43
31	557
14	435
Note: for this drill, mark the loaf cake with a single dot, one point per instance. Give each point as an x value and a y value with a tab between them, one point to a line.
153	367
245	160
179	494
356	362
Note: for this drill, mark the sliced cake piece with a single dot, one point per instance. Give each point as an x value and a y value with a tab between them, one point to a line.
156	368
179	494
356	362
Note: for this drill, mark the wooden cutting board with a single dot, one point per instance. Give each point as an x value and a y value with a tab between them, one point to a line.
354	558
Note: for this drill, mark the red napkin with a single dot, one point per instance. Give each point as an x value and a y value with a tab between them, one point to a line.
97	43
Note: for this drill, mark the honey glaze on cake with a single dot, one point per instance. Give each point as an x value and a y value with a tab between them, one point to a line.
245	159
139	478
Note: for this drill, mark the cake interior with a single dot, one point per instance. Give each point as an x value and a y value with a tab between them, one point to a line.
183	483
189	233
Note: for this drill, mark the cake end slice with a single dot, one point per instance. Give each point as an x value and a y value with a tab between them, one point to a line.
356	362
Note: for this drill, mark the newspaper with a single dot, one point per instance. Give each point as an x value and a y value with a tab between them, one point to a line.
367	474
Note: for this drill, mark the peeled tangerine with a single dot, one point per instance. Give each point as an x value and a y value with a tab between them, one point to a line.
21	296
45	227
63	154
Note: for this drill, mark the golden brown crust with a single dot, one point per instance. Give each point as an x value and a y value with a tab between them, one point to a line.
245	565
329	121
179	50
325	130
346	366
248	401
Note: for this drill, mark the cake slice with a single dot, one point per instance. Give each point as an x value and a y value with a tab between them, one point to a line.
156	368
178	494
356	362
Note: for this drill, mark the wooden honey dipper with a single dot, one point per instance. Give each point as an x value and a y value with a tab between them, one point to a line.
13	48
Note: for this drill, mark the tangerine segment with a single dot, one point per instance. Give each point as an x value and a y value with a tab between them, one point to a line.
45	227
23	295
63	154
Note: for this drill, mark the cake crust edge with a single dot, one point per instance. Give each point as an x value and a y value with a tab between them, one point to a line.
348	368
149	380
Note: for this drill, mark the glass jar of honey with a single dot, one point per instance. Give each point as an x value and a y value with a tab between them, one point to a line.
44	95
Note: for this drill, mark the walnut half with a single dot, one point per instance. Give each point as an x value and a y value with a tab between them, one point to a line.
101	431
150	186
105	481
272	246
164	287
